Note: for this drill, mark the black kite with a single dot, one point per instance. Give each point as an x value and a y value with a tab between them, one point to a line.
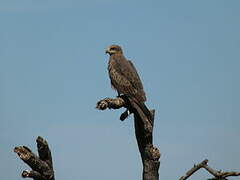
124	77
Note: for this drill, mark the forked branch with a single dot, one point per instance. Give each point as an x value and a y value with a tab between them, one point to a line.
218	175
42	167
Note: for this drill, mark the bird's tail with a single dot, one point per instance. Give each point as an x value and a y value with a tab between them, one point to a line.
146	111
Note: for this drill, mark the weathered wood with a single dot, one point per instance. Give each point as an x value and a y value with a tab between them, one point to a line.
194	169
218	175
42	166
143	130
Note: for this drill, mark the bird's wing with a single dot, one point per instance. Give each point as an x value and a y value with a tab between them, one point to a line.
126	80
119	80
134	77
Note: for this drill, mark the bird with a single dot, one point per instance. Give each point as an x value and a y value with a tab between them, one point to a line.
124	78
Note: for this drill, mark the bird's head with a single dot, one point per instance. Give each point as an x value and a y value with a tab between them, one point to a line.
114	49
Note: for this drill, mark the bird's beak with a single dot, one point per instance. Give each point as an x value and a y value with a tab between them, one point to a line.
107	51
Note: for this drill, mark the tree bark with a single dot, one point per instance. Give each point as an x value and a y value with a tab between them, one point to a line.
143	130
42	166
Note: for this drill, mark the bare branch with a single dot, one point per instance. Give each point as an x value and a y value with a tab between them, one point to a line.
219	175
31	159
110	103
143	130
32	174
42	165
44	151
194	169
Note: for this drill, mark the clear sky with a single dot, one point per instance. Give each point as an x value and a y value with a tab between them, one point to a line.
53	70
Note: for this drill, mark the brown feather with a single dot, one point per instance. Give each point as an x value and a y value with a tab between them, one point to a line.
124	77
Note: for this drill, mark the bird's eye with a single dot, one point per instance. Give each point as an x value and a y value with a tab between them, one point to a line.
113	49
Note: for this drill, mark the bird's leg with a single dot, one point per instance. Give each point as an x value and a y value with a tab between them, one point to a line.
119	95
125	114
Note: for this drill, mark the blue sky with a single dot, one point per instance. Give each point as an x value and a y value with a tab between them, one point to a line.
53	70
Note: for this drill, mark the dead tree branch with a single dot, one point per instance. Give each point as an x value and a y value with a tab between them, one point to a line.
218	175
110	103
143	130
194	169
42	167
